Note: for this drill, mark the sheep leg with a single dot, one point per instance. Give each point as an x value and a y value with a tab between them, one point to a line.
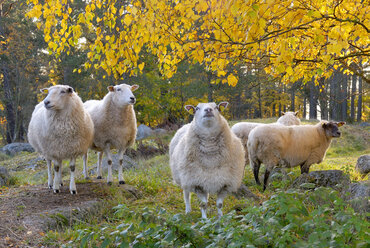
203	205
57	174
99	170
304	169
72	184
120	166
50	174
85	171
187	199
219	202
256	169
109	157
60	178
267	174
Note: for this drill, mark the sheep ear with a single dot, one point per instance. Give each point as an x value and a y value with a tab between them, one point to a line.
190	109
282	113
324	125
222	105
70	90
134	87
44	90
111	88
341	123
296	113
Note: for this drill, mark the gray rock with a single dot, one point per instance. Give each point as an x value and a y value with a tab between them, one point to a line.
358	195
244	192
143	132
14	148
363	165
127	164
4	176
159	131
330	178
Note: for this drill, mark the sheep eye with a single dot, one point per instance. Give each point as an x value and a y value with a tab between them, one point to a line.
196	108
118	89
62	92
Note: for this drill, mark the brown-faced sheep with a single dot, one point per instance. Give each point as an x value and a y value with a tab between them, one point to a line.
60	129
115	126
292	146
206	157
242	129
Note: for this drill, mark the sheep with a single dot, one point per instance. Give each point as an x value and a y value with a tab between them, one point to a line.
60	129
242	129
115	126
206	157
290	146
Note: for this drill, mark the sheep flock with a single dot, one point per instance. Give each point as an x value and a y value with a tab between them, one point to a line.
206	156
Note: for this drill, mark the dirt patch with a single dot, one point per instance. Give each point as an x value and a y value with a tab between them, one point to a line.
26	213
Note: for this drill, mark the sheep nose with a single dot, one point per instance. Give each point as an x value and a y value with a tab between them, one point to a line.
338	133
46	102
208	110
132	99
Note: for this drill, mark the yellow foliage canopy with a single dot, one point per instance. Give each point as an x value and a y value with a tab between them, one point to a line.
294	39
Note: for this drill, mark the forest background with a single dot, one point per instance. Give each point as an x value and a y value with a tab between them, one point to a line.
264	57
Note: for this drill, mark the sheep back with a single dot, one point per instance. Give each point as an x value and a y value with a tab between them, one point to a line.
214	165
61	134
116	126
288	146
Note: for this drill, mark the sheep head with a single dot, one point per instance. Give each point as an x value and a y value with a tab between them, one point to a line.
57	96
207	115
122	94
332	128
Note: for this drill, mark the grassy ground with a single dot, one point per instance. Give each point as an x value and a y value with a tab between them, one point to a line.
153	179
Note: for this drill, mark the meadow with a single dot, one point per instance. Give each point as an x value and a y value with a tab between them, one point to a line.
282	216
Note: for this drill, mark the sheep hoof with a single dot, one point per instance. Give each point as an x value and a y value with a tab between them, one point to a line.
99	177
109	183
50	186
122	182
61	184
56	191
73	192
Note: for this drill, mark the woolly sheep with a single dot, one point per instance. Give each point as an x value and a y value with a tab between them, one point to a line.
206	157
292	146
242	129
60	129
115	126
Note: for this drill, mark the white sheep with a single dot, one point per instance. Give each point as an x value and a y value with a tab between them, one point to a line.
60	129
206	157
242	129
289	146
115	126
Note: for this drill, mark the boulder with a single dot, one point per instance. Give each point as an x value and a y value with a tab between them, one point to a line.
14	148
329	178
143	132
358	195
4	176
363	165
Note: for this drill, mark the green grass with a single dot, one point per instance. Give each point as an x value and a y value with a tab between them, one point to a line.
153	179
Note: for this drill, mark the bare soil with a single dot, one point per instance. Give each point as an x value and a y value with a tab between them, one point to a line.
26	213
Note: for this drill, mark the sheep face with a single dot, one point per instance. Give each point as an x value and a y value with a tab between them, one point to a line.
57	97
207	115
332	129
122	94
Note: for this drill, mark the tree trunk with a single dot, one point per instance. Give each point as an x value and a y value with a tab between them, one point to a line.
9	108
344	97
359	102
304	107
292	100
313	101
353	96
210	88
